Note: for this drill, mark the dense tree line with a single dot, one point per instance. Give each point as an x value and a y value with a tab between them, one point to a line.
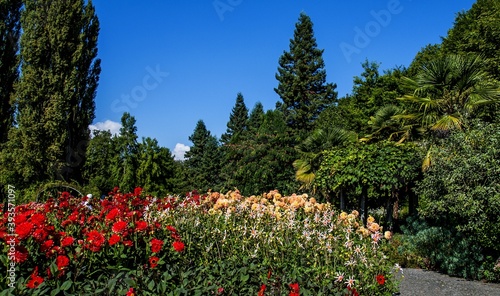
386	145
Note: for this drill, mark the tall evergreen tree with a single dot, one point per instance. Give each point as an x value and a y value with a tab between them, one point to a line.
10	27
302	81
101	152
126	163
237	121
55	94
203	160
156	168
255	118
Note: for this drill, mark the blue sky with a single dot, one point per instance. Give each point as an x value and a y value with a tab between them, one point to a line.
172	63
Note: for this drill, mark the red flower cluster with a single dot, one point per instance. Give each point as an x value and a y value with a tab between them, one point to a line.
87	227
156	245
295	290
177	244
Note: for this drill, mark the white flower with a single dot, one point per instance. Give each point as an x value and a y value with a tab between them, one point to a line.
350	282
339	276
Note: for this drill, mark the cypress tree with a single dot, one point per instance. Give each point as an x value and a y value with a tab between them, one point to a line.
302	81
55	94
10	13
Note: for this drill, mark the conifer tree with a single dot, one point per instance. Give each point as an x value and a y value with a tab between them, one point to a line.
10	13
203	160
156	168
255	118
55	93
237	121
126	161
101	152
302	81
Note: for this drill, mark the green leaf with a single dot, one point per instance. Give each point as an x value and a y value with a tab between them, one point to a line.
66	285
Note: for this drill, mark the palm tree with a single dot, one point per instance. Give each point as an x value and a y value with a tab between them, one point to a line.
447	91
311	152
386	125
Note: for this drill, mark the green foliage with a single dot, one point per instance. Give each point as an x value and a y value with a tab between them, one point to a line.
461	188
238	121
371	91
381	172
101	152
156	171
267	158
55	93
203	160
237	129
447	91
10	29
311	149
477	31
302	81
447	250
125	163
427	54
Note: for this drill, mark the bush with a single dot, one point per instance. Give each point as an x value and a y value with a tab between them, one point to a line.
459	198
446	250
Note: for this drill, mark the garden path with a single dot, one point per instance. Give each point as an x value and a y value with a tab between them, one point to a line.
418	282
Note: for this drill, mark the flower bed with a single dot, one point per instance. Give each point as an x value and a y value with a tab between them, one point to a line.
215	244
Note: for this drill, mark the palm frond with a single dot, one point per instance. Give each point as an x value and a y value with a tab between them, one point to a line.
447	123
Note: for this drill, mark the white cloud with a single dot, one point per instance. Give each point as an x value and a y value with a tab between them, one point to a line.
179	151
108	125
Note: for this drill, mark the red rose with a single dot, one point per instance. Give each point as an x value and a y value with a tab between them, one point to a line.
178	246
40	235
156	245
130	292
128	243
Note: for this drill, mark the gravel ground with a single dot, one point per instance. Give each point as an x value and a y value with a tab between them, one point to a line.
418	282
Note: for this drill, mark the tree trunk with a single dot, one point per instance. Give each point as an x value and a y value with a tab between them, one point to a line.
362	205
342	201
